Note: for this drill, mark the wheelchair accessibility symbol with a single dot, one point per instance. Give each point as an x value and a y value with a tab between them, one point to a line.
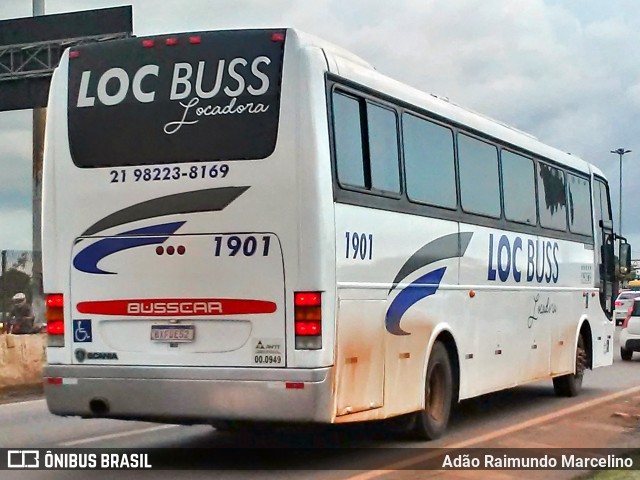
82	331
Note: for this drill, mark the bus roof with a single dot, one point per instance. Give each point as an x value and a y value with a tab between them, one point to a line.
356	69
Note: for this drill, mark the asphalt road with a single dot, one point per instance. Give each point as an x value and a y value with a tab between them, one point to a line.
474	424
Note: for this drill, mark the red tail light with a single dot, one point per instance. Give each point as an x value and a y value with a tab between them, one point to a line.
149	43
308	320
625	324
171	41
55	315
618	304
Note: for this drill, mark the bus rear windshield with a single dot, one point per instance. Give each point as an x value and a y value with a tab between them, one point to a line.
177	98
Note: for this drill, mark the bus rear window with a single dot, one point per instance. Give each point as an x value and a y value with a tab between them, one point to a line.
179	98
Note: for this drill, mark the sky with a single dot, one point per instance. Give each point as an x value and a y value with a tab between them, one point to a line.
566	71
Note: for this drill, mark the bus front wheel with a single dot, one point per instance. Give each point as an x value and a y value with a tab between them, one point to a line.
431	422
570	385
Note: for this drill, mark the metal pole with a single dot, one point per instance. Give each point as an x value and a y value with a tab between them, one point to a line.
620	204
3	270
39	119
620	152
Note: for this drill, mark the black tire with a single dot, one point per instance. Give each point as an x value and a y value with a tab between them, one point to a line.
570	385
431	422
241	426
401	426
224	425
626	354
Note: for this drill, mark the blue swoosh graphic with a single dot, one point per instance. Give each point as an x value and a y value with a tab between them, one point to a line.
421	288
87	259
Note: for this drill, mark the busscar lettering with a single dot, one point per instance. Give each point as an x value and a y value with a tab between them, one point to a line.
184	308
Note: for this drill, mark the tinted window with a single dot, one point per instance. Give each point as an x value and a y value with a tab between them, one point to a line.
605	206
429	162
518	183
218	100
348	140
479	181
627	296
602	211
579	205
552	202
383	148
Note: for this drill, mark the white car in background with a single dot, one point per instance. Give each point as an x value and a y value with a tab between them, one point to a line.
623	302
630	333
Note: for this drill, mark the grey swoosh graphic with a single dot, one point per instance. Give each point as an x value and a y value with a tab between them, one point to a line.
448	246
208	200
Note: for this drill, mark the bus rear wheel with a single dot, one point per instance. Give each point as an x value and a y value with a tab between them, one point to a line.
570	385
431	422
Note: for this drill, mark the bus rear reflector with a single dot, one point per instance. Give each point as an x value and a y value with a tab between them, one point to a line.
294	385
308	320
55	318
148	43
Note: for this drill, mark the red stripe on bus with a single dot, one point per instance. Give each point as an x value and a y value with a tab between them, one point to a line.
177	307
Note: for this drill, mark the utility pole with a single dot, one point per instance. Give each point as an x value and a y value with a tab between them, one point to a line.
620	152
39	119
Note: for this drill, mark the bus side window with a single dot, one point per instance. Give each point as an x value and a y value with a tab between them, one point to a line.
383	148
579	205
429	162
479	180
552	198
519	185
347	133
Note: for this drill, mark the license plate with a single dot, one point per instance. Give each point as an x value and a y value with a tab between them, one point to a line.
173	333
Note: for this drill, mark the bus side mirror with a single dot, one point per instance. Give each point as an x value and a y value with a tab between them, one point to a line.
625	258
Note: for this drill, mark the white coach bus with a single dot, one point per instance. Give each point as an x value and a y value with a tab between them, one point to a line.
256	226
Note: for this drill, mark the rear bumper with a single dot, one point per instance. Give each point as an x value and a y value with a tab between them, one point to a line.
190	394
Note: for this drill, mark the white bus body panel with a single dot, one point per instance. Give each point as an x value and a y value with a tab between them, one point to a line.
288	198
372	362
194	288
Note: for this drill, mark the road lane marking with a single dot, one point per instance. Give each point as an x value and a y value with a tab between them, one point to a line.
22	404
405	464
111	436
